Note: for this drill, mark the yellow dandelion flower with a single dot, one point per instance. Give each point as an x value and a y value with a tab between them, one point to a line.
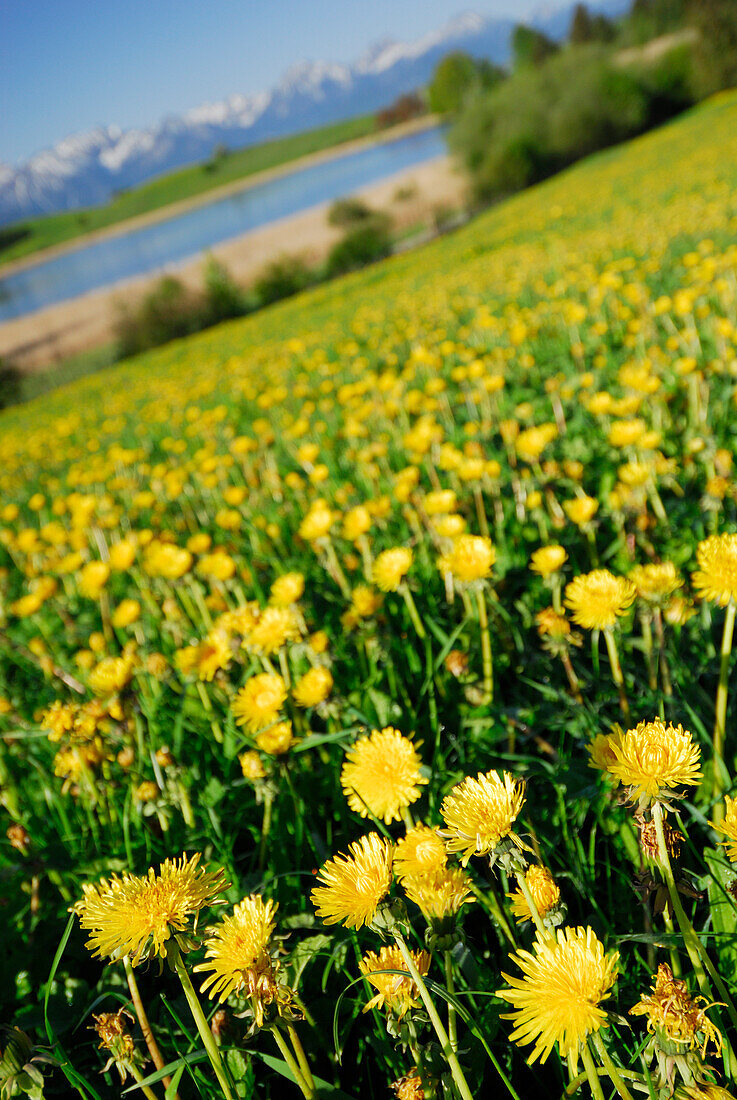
93	578
440	502
531	442
391	566
212	654
625	433
199	543
354	885
217	566
318	642
136	915
58	719
655	581
381	775
364	601
439	893
110	674
674	1015
549	622
237	945
679	610
449	527
548	559
558	998
277	739
356	522
313	688
274	627
148	791
704	1091
716	578
251	765
396	992
317	523
163	559
581	510
420	852
469	559
728	827
596	599
122	555
480	813
601	751
287	589
653	758
545	893
259	701
126	613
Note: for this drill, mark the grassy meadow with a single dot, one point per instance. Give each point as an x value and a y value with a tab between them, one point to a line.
406	608
34	234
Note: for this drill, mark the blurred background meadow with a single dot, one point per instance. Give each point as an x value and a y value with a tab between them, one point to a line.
368	552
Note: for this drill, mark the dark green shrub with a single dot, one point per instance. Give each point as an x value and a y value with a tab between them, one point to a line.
715	60
281	279
11	384
168	312
360	247
349	213
224	299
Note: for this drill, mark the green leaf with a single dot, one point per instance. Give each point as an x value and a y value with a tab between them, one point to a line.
723	911
169	1070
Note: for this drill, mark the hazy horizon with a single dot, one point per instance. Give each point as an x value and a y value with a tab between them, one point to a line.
67	66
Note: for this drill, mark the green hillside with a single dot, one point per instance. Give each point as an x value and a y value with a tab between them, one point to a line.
368	662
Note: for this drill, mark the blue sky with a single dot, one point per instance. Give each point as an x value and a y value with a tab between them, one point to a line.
68	65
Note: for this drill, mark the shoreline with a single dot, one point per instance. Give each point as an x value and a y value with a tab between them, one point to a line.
40	340
245	183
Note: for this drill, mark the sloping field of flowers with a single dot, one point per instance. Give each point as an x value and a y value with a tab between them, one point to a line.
365	713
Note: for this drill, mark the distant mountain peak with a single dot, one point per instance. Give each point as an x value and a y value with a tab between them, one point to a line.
86	169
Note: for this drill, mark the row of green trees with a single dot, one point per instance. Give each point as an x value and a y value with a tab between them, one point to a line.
560	102
171	310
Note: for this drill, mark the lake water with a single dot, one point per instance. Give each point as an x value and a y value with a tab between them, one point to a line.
158	246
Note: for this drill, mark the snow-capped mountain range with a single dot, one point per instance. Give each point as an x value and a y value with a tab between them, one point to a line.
86	169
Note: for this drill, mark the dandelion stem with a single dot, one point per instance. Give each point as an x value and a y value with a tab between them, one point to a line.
148	1035
663	660
485	646
573	682
175	957
610	1067
721	707
696	951
265	827
647	642
138	1078
489	901
617	676
591	1073
452	1023
481	511
450	1055
412	609
675	959
304	1065
292	1063
205	700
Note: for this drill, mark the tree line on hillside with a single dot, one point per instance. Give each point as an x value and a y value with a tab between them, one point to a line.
172	310
607	82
